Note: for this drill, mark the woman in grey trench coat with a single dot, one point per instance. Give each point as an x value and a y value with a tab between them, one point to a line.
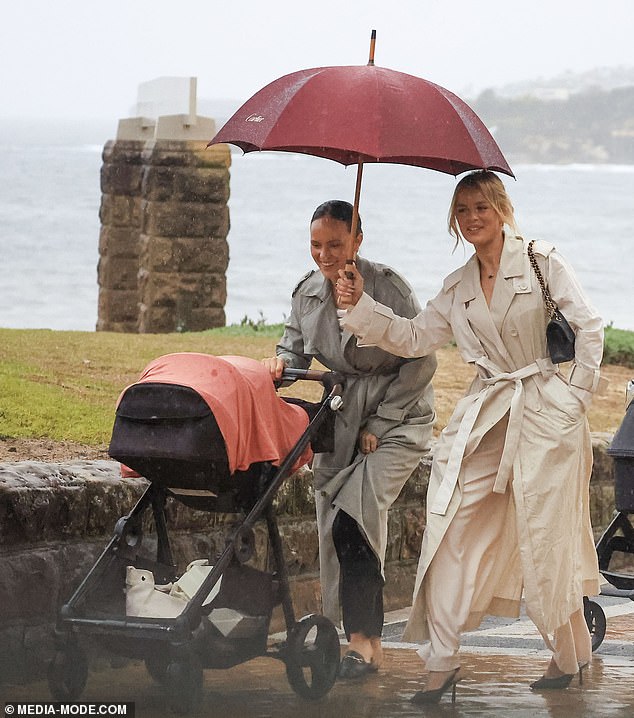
508	499
381	433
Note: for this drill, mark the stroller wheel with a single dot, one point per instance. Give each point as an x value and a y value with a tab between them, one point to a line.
312	657
184	683
67	674
595	619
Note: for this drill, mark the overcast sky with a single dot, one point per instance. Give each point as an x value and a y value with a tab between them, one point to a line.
85	58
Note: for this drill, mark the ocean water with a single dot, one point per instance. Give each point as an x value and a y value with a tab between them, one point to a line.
49	227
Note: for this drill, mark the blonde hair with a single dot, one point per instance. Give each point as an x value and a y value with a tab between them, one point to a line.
495	194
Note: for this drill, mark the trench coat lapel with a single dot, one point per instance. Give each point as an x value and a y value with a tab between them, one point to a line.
511	280
469	294
346	336
328	331
513	269
320	321
317	319
369	284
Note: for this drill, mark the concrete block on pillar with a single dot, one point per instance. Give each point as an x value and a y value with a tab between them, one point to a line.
136	128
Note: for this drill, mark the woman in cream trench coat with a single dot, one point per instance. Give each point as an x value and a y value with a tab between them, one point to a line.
386	397
507	505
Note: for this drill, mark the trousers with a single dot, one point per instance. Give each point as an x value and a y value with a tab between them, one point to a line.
467	550
361	580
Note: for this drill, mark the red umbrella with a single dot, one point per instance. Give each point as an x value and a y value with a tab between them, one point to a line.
364	113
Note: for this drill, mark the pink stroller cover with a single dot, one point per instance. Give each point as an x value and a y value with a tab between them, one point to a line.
257	424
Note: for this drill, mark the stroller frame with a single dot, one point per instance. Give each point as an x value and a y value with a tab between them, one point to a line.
176	650
621	584
618	537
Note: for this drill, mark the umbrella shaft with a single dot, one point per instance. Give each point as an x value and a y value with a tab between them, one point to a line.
355	214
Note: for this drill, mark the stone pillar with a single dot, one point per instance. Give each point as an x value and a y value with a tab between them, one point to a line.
184	253
163	250
120	215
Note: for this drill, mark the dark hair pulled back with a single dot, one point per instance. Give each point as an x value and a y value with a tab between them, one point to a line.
337	209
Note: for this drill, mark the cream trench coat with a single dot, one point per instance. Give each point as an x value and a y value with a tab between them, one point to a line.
389	396
548	549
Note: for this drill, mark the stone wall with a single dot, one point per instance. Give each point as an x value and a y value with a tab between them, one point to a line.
163	249
56	519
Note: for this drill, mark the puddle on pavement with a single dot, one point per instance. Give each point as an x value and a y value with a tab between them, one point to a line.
492	685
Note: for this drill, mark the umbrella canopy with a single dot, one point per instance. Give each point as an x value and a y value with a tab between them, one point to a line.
355	114
364	113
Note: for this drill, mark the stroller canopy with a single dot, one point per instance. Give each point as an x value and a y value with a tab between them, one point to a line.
256	424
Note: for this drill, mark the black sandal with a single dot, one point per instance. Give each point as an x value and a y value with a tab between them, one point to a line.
353	665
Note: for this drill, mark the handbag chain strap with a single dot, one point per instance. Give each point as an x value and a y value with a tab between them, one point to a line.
551	307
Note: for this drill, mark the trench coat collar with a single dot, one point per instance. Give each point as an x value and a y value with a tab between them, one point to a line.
512	265
317	286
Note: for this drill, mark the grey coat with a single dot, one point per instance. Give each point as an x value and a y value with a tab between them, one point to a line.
388	396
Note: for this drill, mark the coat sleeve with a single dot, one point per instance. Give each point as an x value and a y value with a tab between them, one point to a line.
375	324
584	378
291	346
410	386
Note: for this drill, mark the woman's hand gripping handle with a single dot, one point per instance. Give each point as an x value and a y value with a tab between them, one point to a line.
349	287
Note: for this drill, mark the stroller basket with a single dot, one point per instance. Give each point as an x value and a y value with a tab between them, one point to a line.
167	433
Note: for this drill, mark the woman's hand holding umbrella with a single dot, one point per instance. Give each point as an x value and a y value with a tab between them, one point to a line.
349	287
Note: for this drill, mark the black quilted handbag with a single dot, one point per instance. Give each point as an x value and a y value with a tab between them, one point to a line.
560	337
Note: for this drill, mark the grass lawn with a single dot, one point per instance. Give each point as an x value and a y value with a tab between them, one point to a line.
62	385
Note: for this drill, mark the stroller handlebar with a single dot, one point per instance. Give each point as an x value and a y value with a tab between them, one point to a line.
332	381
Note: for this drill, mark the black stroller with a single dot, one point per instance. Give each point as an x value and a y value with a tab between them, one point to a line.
168	434
617	541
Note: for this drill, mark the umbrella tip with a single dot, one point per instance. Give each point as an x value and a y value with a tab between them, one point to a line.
372	44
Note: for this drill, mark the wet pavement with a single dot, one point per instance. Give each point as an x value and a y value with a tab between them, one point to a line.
498	663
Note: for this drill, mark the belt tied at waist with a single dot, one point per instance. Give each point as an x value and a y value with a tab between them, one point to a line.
493	380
